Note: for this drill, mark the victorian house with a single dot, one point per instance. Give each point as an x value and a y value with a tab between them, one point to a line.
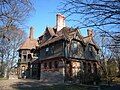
62	52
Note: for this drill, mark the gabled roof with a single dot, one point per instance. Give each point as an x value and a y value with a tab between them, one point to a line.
51	31
89	40
68	34
29	44
65	33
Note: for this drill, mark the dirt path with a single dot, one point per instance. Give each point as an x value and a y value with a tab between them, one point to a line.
22	84
7	84
27	84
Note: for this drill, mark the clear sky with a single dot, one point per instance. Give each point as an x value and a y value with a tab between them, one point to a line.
45	15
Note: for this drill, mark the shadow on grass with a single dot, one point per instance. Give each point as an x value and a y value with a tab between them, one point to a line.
36	85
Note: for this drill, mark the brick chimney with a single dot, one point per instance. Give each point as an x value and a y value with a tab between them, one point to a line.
90	32
31	33
60	21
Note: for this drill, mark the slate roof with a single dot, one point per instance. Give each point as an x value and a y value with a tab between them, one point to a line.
65	33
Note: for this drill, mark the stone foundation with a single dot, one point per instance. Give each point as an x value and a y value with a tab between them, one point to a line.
50	76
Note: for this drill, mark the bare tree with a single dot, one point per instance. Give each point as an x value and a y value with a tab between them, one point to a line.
8	48
93	12
14	12
101	14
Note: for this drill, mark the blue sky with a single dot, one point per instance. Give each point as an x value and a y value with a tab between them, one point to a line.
45	15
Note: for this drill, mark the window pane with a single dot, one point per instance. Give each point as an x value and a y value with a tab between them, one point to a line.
24	57
50	65
45	65
56	64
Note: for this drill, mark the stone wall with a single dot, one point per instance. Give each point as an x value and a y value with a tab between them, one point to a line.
50	76
75	68
53	74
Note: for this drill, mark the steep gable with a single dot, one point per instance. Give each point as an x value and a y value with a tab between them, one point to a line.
30	42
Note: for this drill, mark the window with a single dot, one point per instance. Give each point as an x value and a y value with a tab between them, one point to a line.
24	57
50	65
29	56
95	68
74	47
90	50
56	64
52	50
45	65
20	55
47	49
89	67
84	66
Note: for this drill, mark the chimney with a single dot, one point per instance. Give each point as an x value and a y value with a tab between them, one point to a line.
90	32
31	33
60	21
